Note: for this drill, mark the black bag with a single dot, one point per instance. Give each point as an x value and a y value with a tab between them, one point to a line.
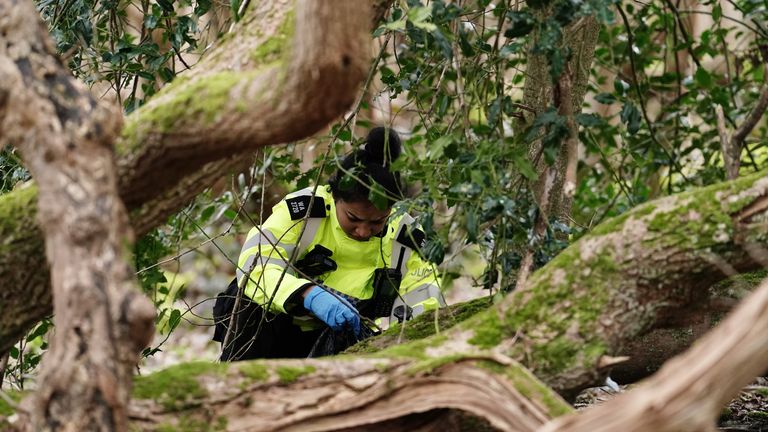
256	334
331	342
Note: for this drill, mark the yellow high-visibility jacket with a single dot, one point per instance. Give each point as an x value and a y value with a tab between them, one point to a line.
270	247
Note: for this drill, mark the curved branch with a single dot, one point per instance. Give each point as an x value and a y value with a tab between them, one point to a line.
379	394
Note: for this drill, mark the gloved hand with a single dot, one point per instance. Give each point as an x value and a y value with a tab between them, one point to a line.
334	311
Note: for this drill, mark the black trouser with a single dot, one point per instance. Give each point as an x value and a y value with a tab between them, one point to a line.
278	337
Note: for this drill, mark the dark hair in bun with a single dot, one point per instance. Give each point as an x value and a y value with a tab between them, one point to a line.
370	165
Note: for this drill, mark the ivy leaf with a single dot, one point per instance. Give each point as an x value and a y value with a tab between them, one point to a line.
605	98
377	195
202	7
167	5
471	226
703	78
522	24
234	7
620	86
588	120
418	16
630	116
525	167
174	319
434	251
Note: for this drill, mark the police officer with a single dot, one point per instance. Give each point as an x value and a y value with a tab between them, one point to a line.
323	260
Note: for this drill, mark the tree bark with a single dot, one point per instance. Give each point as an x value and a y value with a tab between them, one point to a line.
102	321
539	91
372	394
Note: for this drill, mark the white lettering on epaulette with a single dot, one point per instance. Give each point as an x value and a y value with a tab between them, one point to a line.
297	207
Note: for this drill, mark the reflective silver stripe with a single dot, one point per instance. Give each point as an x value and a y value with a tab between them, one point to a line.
422	293
263	261
414	297
313	224
266	238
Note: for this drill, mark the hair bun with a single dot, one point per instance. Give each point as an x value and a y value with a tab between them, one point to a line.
382	145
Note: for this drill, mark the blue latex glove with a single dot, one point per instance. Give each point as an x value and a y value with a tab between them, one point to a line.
334	311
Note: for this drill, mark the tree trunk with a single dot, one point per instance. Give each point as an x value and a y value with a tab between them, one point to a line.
539	92
102	321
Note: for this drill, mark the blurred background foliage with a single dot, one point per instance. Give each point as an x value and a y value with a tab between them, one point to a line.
450	77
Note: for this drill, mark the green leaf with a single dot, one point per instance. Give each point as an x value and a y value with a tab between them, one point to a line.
419	16
522	24
230	214
206	214
234	7
630	115
395	25
620	86
525	167
167	5
174	319
717	12
605	98
202	7
588	120
703	78
377	195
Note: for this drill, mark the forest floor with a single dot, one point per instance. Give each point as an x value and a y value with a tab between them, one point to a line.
746	412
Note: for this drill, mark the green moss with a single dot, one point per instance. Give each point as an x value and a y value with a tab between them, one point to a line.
488	329
430	364
20	201
414	349
276	47
191	101
177	387
288	374
758	415
254	370
5	408
612	225
530	387
422	326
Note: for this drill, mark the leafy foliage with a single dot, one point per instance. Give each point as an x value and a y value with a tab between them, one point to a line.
132	46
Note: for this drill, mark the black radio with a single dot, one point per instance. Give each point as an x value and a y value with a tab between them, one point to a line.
316	262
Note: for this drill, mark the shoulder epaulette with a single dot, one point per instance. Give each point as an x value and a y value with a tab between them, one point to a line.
298	206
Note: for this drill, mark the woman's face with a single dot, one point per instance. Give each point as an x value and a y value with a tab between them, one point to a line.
361	220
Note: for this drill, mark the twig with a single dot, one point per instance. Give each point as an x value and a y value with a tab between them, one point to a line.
730	154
